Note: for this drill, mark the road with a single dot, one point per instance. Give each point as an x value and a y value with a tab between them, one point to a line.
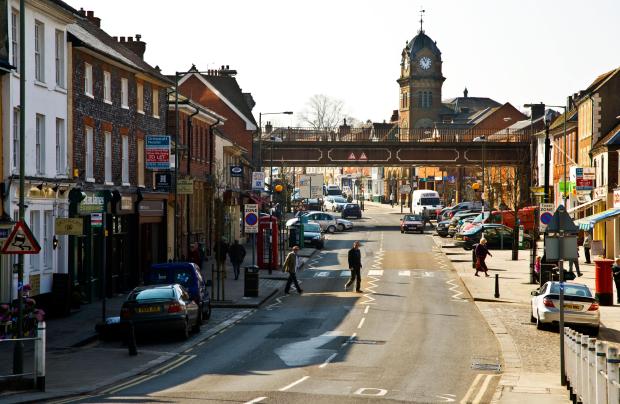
413	335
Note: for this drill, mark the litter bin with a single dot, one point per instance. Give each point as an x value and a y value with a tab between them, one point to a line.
250	282
604	282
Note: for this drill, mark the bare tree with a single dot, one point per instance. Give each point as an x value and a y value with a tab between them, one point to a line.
323	113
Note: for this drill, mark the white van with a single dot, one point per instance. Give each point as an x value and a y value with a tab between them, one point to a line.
428	199
333	190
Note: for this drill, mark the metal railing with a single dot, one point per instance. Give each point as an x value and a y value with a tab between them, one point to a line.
592	369
38	366
396	135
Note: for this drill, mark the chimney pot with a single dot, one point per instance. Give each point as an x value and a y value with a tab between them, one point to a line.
122	39
115	38
90	14
82	12
129	39
227	67
138	37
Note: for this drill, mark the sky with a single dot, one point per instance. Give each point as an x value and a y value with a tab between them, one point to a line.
285	51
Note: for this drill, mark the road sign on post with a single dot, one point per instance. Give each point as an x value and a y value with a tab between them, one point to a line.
258	181
546	214
21	241
251	218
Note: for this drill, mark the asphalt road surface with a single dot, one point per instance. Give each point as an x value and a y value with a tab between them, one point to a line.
413	335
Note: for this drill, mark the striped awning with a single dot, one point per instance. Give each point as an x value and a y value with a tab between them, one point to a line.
587	223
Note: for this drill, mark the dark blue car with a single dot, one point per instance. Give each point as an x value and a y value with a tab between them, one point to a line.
186	274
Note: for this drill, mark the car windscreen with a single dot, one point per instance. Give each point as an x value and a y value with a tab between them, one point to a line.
340	200
152	294
573	290
411	218
335	191
429	201
312	228
182	276
481	217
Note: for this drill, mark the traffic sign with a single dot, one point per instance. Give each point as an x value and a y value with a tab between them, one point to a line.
351	156
258	181
21	241
363	156
251	218
546	214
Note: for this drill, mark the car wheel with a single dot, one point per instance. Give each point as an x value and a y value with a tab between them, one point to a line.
207	314
184	334
196	327
341	227
331	229
421	231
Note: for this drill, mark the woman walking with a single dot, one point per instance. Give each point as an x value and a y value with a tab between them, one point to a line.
481	254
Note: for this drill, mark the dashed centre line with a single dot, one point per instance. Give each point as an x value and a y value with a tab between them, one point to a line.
256	400
331	357
294	383
366	309
361	323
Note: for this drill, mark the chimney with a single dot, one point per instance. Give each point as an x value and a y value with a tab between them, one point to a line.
538	110
268	128
90	16
82	12
225	71
138	46
394	117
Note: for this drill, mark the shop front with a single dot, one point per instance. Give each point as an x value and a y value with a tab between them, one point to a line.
152	230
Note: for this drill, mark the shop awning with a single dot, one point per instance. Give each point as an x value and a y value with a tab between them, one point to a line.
583	206
587	223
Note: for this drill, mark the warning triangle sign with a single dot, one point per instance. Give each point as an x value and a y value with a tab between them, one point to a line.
21	241
351	156
363	156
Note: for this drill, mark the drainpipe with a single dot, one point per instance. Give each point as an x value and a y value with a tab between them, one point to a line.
189	159
211	170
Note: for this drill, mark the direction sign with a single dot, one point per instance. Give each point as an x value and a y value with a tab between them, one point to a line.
258	181
251	218
21	241
546	214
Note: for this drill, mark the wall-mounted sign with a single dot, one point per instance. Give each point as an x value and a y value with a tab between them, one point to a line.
600	192
584	178
92	203
69	226
236	171
96	219
157	151
162	182
185	187
617	198
126	203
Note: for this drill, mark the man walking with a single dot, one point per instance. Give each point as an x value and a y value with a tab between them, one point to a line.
587	243
236	254
392	200
291	265
355	265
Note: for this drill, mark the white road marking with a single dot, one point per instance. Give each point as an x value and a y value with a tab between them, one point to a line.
404	273
447	398
457	293
377	392
332	356
345	274
256	400
294	383
483	389
375	272
322	274
366	309
351	338
361	323
470	391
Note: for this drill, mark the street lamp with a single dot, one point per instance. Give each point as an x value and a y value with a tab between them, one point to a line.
483	140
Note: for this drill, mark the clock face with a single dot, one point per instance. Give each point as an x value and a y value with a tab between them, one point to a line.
425	63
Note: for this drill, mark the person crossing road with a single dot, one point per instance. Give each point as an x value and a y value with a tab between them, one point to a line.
355	265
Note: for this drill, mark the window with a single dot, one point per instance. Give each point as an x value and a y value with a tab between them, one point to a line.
156	103
125	161
60	58
140	97
107	87
89	155
40	144
60	146
16	138
15	38
140	168
39	46
35	217
48	228
88	79
425	99
124	93
108	157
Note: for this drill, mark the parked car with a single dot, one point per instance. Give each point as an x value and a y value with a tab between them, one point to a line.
343	224
312	234
493	233
457	220
334	203
580	306
186	274
162	307
352	210
412	223
314	204
327	222
442	228
507	217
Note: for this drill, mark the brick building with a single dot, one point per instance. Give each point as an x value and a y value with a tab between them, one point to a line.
115	99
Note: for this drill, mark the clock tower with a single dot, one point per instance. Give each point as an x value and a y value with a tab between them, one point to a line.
420	82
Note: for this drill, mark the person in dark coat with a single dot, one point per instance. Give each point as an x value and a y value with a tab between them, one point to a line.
481	254
221	250
355	265
236	254
615	269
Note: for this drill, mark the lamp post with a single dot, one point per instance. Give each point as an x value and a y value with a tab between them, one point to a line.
260	133
483	140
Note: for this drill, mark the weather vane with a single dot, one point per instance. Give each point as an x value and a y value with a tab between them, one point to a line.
422	11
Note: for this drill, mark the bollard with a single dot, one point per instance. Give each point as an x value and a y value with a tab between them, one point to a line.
568	354
131	339
613	375
583	365
496	286
591	370
39	352
601	367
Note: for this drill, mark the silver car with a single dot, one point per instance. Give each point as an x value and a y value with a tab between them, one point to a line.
343	224
580	306
327	222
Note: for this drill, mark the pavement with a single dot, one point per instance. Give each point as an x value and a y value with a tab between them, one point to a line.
73	345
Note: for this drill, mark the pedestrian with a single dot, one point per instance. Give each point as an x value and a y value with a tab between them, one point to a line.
291	264
615	269
481	254
236	254
355	265
587	243
426	217
537	266
575	262
221	250
392	199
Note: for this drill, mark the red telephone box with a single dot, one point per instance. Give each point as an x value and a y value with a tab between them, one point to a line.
267	243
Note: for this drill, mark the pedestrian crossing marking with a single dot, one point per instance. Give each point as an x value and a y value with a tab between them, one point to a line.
404	273
375	272
345	274
322	274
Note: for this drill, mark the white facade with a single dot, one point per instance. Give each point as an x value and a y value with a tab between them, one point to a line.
47	165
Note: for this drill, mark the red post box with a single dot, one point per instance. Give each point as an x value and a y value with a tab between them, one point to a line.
267	240
604	282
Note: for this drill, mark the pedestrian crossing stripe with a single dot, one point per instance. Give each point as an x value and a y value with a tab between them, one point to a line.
345	274
322	274
404	273
375	272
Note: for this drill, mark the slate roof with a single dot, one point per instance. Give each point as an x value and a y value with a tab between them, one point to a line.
229	88
600	80
473	104
610	139
420	42
90	36
65	6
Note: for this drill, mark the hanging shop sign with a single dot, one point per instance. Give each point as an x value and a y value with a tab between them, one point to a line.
72	226
617	198
162	182
92	203
236	171
157	151
185	187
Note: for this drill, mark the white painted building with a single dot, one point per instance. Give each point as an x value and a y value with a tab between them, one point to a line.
47	166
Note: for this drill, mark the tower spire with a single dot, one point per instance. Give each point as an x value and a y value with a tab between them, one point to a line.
422	11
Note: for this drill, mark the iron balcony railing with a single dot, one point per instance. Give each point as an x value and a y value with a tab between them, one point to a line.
395	134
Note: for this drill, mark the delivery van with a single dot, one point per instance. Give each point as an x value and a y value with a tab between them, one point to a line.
428	199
